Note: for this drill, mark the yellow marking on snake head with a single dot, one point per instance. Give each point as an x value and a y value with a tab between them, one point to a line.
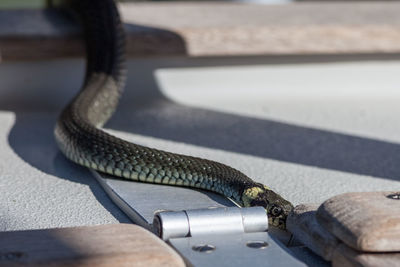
266	187
250	194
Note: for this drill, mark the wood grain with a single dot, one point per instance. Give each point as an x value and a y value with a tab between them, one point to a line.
368	221
304	226
105	245
214	29
345	256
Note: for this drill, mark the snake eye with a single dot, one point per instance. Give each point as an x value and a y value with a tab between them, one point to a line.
276	211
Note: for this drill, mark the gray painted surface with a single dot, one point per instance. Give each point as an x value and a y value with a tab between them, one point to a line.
309	131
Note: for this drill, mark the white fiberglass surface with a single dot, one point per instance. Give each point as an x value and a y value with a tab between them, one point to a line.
309	131
317	129
358	98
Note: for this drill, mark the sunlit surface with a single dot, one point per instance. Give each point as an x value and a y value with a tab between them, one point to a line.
309	131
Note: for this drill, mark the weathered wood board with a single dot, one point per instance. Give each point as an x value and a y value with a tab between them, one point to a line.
104	245
345	256
368	221
215	29
303	224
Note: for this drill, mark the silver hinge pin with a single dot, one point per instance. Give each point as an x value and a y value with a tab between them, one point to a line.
200	222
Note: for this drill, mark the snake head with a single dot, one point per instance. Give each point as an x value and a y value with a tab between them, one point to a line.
276	207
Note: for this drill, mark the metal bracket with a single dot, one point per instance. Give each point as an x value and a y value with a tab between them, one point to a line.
205	228
222	237
241	249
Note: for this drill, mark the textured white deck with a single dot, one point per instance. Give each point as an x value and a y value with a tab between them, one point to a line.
309	131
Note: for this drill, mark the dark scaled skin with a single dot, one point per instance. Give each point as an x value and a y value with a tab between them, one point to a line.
80	137
276	206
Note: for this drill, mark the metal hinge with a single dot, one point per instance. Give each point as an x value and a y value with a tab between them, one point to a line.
205	228
211	221
229	236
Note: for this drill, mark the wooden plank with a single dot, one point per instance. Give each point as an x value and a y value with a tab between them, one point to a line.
52	33
344	256
104	245
368	221
211	29
214	29
304	226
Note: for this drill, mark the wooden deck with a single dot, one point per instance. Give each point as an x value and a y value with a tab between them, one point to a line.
215	29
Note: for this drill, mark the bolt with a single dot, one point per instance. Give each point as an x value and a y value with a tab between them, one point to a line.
395	196
204	248
257	244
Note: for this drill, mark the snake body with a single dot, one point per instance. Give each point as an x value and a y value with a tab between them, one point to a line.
80	137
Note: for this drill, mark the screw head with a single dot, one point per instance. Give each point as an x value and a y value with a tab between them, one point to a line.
395	196
257	244
204	248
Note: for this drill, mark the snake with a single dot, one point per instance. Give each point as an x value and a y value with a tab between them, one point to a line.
80	136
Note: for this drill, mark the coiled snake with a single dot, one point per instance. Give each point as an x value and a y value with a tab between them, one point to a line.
79	135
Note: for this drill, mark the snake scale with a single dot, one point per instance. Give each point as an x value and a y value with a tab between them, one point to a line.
80	137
